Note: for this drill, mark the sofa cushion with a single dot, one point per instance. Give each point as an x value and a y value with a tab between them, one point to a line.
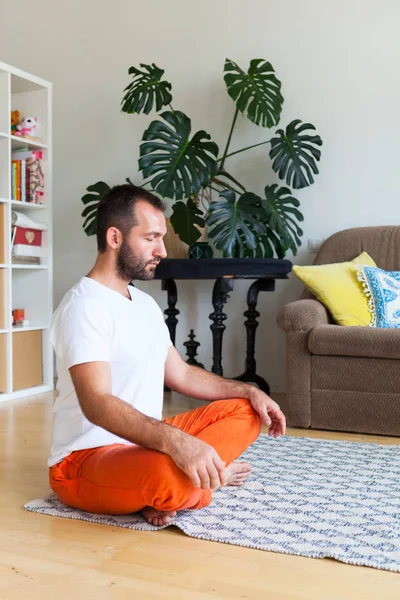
382	288
335	340
355	374
336	286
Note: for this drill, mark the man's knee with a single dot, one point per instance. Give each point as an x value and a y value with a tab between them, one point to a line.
244	407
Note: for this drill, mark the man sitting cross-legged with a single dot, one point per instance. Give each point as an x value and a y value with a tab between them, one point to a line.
111	452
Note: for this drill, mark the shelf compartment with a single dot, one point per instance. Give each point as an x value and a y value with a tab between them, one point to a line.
30	291
27	359
31	99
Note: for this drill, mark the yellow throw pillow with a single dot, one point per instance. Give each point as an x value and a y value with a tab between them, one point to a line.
337	287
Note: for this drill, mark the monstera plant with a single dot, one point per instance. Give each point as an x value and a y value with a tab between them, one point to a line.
189	169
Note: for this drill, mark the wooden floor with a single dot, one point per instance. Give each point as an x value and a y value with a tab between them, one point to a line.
44	557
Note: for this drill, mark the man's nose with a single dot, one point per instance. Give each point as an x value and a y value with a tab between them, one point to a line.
161	250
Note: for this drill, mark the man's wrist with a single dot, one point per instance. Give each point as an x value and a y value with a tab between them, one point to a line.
240	390
253	393
246	391
172	439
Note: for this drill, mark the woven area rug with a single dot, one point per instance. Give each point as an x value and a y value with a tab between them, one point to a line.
305	496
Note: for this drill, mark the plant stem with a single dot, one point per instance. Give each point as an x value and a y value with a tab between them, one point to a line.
242	150
226	185
229	176
229	139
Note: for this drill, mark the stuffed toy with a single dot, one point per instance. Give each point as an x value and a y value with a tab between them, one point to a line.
27	126
15	116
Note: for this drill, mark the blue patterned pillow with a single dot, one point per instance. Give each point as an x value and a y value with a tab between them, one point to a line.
383	290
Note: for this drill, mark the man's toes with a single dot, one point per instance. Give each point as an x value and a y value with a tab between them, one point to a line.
161	520
242	467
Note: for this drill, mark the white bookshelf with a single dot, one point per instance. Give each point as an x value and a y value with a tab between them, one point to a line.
27	286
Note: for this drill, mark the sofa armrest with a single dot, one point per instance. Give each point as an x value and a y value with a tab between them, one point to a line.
302	315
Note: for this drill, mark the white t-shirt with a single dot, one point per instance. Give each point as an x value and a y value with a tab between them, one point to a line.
95	323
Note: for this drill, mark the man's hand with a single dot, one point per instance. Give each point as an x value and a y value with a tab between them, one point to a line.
199	461
269	411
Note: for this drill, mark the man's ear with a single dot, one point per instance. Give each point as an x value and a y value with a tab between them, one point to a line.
114	237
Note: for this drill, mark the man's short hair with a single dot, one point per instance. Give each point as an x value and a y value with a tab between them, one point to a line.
117	209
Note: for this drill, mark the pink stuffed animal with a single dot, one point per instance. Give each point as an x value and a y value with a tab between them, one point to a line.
27	126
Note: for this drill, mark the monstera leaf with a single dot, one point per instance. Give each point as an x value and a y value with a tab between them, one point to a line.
267	246
145	89
258	90
282	214
177	165
235	224
91	202
184	218
295	154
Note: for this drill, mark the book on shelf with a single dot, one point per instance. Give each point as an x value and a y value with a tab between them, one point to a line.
25	260
27	179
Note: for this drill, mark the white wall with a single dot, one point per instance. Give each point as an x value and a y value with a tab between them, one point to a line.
338	61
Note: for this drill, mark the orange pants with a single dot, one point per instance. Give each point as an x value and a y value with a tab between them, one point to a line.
121	479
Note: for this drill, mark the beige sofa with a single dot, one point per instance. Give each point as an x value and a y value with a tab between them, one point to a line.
344	378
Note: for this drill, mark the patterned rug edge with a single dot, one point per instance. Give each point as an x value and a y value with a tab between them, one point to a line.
147	527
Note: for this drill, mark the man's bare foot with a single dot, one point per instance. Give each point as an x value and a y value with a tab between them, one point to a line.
158	517
237	473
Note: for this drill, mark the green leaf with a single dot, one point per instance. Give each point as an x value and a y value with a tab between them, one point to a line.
295	154
177	165
281	212
184	218
91	202
235	225
258	90
145	89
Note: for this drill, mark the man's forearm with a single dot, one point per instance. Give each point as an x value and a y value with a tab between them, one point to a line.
203	385
121	419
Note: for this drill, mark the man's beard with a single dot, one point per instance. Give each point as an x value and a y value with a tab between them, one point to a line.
130	267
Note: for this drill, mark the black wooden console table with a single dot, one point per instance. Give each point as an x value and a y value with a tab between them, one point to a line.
224	270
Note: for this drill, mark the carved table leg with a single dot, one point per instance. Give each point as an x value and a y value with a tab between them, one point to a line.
251	324
220	295
172	297
171	321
